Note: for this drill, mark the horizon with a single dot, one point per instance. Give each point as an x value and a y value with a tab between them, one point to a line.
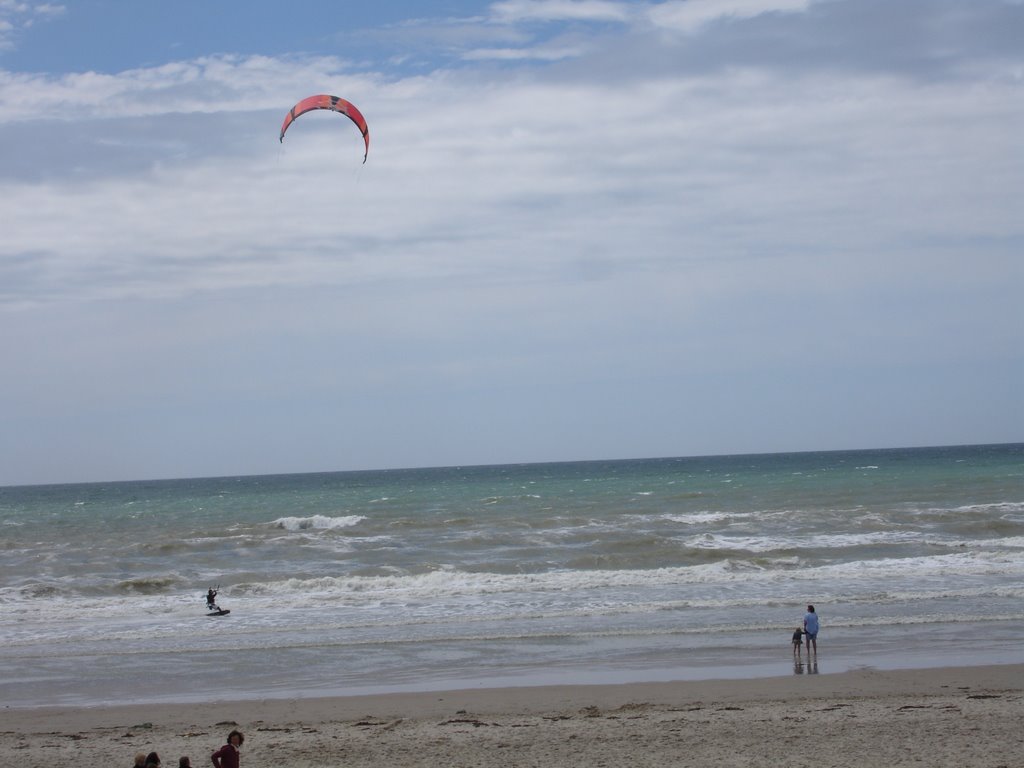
427	468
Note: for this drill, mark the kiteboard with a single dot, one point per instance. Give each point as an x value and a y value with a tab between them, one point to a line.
219	612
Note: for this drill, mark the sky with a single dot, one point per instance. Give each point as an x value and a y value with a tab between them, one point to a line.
586	229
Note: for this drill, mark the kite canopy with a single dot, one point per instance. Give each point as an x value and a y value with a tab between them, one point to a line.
335	104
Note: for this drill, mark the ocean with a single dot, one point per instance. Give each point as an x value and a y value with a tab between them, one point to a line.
588	572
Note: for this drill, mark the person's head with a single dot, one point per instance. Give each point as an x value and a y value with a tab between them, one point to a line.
184	763
236	738
140	759
152	759
810	609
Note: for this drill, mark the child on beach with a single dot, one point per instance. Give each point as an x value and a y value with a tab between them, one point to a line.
227	756
798	641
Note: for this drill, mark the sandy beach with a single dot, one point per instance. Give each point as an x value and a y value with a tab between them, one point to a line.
952	716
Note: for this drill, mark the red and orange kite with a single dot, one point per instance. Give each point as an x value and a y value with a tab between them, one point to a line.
325	101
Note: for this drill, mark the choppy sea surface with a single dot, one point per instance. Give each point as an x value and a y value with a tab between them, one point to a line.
425	579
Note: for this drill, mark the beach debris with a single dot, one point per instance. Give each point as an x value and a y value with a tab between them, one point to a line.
468	721
638	708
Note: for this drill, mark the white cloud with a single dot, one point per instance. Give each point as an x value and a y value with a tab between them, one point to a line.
690	15
511	11
50	9
16	15
538	53
213	84
518	180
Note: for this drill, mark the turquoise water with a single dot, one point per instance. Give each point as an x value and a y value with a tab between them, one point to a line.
574	572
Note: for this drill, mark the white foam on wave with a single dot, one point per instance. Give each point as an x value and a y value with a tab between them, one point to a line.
1004	507
711	541
877	579
1008	542
732	572
449	582
317	522
450	603
1008	564
702	518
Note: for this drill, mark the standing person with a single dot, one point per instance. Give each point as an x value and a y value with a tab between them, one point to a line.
811	630
211	600
798	641
227	756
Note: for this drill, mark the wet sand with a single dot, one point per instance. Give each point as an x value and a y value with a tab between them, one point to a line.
950	716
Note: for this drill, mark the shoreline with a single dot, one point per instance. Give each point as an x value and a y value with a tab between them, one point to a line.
255	675
967	715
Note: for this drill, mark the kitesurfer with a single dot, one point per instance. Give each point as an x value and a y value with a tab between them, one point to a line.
211	600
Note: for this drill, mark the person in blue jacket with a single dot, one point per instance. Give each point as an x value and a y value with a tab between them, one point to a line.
811	630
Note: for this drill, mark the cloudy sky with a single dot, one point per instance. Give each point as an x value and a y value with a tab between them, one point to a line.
586	229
